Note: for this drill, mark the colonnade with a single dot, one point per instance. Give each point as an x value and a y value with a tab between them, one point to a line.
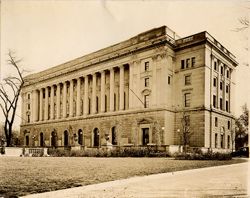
78	96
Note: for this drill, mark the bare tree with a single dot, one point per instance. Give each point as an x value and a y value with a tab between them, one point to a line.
244	24
186	133
10	89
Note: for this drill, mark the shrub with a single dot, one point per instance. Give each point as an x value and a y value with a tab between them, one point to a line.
203	156
116	152
2	150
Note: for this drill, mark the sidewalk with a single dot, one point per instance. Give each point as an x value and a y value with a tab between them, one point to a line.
229	180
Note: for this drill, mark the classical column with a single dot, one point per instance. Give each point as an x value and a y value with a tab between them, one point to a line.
102	91
52	92
71	98
94	93
35	105
46	110
41	106
121	88
58	101
112	82
86	95
78	97
64	109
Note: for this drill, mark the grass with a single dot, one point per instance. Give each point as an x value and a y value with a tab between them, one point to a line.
21	176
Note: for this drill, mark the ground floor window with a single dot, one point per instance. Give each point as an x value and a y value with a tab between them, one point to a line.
228	141
96	137
145	136
114	136
41	140
80	137
216	140
27	140
222	141
66	138
53	139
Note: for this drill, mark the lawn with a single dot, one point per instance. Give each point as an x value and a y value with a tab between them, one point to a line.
27	175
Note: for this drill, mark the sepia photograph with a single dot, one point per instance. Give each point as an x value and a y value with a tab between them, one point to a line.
122	99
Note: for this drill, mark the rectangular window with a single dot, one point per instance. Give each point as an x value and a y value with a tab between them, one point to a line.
227	88
187	120
216	121
187	63
216	140
97	102
227	73
193	61
28	96
221	85
146	101
228	141
187	99
222	141
214	101
146	82
28	119
145	136
188	80
28	106
182	64
228	124
221	103
169	80
215	65
227	109
215	82
147	66
221	70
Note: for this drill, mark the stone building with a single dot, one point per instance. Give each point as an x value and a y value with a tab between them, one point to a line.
135	93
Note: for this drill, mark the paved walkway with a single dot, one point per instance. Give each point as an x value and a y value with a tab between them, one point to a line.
226	181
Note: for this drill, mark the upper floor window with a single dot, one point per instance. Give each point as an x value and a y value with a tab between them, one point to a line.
221	103
169	80
187	99
216	121
228	74
227	88
221	70
214	101
146	101
227	106
187	63
193	61
146	82
182	64
146	66
215	82
215	65
188	80
228	124
28	106
221	85
28	96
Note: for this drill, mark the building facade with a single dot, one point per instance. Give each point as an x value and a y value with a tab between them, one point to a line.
135	93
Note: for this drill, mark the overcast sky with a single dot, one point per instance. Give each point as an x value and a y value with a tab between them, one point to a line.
47	33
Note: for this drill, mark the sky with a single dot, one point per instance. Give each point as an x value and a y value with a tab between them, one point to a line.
45	33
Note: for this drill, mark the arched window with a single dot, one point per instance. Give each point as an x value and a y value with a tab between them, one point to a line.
53	138
66	138
80	137
96	137
41	140
114	136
